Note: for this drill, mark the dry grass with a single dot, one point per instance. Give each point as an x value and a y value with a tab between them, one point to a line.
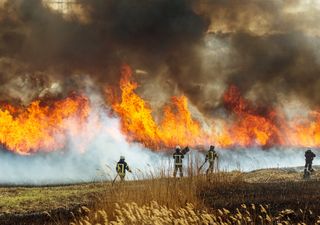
153	213
279	175
194	199
36	199
165	191
153	201
185	201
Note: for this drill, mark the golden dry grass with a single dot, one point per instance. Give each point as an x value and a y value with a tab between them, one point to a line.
181	201
204	194
154	213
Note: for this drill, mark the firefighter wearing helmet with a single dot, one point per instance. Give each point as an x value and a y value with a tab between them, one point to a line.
211	157
122	167
309	155
178	156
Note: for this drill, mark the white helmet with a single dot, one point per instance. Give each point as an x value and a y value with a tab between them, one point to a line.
122	157
178	147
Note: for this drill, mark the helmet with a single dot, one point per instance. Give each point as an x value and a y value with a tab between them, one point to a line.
178	147
122	157
211	147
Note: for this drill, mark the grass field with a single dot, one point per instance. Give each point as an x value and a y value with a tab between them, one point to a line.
274	189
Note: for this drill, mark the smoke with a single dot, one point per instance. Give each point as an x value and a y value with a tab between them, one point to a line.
146	34
197	48
269	49
92	155
266	48
254	159
87	158
98	163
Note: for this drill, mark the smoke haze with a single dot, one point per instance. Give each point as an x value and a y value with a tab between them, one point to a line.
269	49
197	47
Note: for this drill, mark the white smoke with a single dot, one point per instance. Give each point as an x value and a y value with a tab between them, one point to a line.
93	155
96	162
255	158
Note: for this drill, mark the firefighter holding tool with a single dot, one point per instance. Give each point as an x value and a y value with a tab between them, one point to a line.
122	167
211	157
178	157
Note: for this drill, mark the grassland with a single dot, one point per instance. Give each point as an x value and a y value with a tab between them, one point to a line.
194	198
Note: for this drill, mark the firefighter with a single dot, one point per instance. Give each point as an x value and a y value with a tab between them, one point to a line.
211	157
122	167
178	156
309	158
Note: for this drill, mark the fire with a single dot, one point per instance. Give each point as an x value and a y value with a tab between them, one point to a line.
177	125
46	126
40	127
250	126
247	125
306	131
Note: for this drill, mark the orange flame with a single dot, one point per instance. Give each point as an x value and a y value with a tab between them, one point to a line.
251	127
139	125
40	127
46	127
247	125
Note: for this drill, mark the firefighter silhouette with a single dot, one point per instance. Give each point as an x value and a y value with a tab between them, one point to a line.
211	157
178	156
122	167
309	158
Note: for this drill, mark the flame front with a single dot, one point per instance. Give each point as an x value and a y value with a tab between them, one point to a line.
138	124
40	127
246	125
46	126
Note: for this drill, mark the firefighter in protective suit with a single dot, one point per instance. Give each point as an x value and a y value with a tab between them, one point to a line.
122	167
309	158
178	156
211	157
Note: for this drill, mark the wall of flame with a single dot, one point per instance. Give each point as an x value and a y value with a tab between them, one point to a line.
43	126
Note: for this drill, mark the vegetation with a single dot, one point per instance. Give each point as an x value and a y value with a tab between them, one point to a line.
224	198
160	214
36	199
229	198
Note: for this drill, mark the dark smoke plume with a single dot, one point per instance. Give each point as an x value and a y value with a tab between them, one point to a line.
269	49
148	34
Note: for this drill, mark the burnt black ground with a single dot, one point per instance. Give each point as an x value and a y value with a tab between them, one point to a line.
275	197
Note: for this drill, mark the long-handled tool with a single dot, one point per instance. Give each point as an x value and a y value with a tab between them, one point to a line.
202	166
114	180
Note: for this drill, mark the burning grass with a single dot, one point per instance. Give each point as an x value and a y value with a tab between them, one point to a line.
245	123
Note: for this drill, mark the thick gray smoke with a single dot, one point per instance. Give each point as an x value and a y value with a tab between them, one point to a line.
269	49
193	47
266	48
38	41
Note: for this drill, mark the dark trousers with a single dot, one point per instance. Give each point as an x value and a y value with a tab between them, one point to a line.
176	168
308	165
